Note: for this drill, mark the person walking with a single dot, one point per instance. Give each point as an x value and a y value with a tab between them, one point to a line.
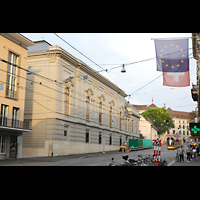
194	153
181	153
187	152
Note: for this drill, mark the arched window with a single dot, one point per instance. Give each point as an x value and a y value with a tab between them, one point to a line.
67	101
110	116
120	119
100	112
132	125
87	108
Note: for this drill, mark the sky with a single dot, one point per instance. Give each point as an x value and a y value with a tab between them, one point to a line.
114	49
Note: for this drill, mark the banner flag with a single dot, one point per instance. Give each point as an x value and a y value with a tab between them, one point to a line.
176	79
172	55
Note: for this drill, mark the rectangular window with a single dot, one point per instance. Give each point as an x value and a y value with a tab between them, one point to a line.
65	132
100	138
15	117
132	126
4	115
110	140
2	144
11	89
87	136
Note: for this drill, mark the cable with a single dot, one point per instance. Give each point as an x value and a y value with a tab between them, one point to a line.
139	61
146	84
79	51
149	82
54	81
85	56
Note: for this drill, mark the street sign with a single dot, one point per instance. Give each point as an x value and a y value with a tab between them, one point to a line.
177	135
195	129
177	140
157	150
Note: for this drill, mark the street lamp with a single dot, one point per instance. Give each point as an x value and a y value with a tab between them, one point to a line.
123	69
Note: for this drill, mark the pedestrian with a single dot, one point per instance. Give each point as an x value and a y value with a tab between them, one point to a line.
191	153
187	152
194	152
181	153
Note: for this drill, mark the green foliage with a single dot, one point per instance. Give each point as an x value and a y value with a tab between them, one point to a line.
157	116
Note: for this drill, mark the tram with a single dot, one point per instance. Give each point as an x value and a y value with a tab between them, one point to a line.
172	144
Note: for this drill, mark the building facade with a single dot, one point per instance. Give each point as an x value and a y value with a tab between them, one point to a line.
146	126
13	55
181	121
71	108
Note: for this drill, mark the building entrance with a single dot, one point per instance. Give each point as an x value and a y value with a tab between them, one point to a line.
13	146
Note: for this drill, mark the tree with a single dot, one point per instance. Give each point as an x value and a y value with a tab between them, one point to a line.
160	118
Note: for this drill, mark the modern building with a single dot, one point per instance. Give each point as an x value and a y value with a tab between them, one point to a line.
71	108
13	64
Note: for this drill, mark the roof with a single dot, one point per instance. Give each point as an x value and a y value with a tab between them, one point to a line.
173	113
178	114
40	46
144	107
18	39
43	47
130	110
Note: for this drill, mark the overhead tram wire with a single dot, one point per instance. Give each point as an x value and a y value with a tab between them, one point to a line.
153	79
78	51
54	81
86	57
139	61
120	65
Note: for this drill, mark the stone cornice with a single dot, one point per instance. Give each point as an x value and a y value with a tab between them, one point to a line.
91	72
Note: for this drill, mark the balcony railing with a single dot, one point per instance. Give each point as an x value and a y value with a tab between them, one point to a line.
12	123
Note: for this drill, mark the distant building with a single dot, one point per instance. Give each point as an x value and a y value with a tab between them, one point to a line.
13	51
71	108
181	122
146	126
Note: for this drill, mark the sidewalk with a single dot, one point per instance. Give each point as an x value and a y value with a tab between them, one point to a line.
185	163
32	160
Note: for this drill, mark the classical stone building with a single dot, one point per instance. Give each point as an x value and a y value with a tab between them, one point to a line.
71	108
181	121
